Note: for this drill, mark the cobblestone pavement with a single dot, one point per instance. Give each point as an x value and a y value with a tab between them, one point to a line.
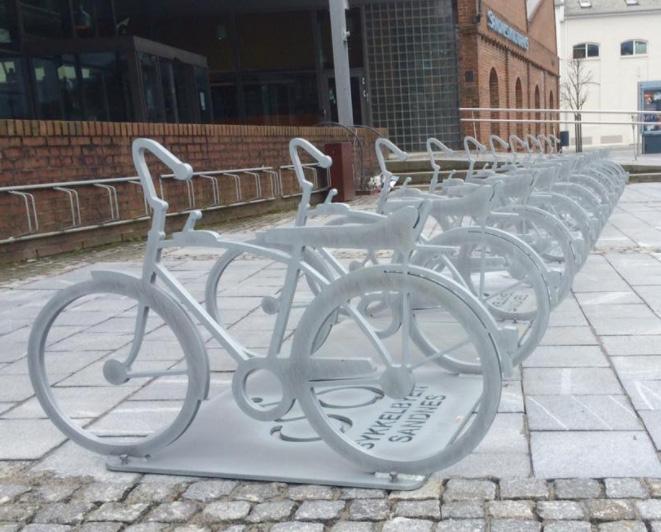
574	446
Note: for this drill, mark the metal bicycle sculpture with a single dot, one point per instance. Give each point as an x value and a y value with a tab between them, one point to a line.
336	401
371	372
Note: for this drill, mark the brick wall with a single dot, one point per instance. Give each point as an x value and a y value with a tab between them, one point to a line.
33	152
482	50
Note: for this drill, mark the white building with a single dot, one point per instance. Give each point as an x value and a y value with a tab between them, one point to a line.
619	42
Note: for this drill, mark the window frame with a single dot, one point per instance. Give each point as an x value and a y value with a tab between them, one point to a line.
634	46
586	46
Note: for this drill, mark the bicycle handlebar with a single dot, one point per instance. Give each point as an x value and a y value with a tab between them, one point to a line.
434	142
182	171
382	144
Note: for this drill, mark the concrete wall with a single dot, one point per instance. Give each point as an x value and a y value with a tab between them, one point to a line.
615	78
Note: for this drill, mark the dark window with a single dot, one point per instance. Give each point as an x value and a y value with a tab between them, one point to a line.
8	28
633	47
225	105
586	49
151	88
57	88
46	18
12	88
202	94
105	86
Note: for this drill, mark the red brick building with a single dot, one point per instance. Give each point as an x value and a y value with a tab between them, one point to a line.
507	58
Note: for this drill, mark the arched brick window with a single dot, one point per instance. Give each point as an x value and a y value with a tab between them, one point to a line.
553	116
538	115
494	101
518	99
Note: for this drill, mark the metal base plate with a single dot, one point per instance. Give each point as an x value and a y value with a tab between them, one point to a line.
223	442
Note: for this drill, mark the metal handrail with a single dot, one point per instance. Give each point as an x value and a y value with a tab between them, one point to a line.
572	111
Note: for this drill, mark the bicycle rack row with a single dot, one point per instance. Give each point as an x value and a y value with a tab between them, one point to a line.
273	190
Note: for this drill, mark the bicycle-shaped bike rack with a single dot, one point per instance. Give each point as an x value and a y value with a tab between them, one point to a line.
373	373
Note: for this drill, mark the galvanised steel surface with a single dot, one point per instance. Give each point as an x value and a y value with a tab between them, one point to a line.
375	373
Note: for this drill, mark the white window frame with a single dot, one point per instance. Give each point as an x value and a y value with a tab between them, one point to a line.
585	47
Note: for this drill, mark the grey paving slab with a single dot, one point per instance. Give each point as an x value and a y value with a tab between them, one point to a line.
36	437
625	297
506	435
644	394
632	345
638	367
570	381
652	421
561	356
490	465
71	461
511	397
15	387
569	336
593	454
581	412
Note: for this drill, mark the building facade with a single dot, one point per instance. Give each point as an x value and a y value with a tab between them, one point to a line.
618	44
413	62
508	59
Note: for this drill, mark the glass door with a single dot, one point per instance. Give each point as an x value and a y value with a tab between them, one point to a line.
359	98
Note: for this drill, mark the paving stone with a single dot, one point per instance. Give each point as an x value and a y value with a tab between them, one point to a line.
362	493
580	412
9	492
147	527
9	527
560	510
560	356
419	509
510	509
649	509
310	492
100	527
46	528
632	345
154	492
462	510
514	525
271	511
225	511
461	490
493	465
623	526
17	511
103	491
623	453
197	528
173	512
369	510
37	437
432	489
403	524
117	511
524	488
63	513
567	526
208	490
51	492
506	435
570	381
463	525
294	526
625	488
610	510
655	526
320	510
352	526
577	488
257	491
654	485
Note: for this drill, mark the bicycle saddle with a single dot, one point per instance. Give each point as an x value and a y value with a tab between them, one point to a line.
395	231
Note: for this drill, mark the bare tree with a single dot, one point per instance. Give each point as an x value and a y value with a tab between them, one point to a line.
574	93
